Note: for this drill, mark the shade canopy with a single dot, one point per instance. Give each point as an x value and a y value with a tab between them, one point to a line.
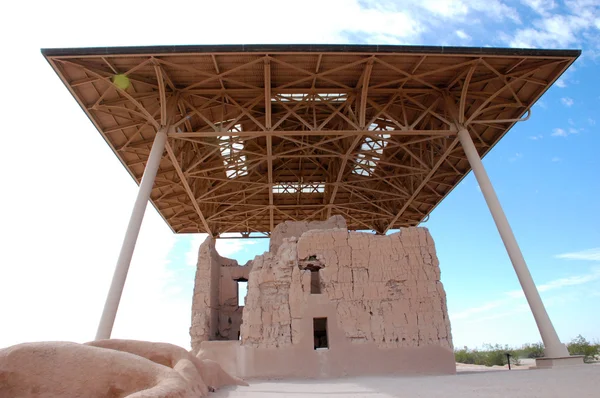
263	134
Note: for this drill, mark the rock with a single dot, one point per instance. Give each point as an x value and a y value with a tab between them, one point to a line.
107	368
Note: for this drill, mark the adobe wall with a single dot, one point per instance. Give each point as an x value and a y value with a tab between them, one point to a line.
382	297
215	311
289	229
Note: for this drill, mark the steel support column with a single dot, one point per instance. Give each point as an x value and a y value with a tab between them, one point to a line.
553	347
133	229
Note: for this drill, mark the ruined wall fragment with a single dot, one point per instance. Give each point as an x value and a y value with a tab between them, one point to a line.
267	318
289	229
215	311
386	289
230	313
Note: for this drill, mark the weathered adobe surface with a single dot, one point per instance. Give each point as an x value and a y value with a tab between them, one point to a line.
295	229
215	311
275	288
386	289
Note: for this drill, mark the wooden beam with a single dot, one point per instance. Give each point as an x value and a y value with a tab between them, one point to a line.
286	133
362	113
186	186
269	141
341	170
162	94
423	183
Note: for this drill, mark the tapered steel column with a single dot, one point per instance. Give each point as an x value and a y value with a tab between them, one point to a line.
553	347
133	229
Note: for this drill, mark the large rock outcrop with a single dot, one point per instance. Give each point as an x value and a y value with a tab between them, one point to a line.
107	368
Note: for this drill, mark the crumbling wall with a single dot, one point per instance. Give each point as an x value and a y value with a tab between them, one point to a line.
274	287
215	311
289	229
386	289
205	301
230	313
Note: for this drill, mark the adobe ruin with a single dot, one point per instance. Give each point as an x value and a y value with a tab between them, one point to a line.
325	302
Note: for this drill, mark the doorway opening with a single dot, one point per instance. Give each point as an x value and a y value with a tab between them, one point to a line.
242	291
315	281
320	333
313	265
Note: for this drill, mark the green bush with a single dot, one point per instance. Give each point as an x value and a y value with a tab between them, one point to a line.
535	350
580	346
490	355
464	356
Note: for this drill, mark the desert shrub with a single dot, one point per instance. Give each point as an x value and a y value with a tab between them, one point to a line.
464	356
490	355
535	350
580	346
496	355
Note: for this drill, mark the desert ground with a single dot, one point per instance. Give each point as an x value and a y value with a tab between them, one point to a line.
470	381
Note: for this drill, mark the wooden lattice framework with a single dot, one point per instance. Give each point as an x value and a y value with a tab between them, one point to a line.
263	134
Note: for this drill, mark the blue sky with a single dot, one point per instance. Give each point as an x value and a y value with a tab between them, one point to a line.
67	199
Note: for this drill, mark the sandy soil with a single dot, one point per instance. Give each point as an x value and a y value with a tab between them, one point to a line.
471	381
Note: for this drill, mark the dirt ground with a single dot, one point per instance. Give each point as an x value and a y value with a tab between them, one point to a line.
470	381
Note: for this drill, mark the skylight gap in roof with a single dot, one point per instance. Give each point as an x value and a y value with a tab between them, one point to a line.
298	97
231	152
297	187
371	151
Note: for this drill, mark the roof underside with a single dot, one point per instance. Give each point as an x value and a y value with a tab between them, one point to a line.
263	134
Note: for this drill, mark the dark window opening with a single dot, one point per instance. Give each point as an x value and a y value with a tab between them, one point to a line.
315	281
242	291
320	333
313	265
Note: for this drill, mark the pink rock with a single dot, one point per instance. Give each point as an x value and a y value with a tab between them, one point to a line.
109	368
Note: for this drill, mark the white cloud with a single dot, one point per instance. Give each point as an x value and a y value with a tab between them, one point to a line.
542	7
191	256
536	137
561	83
229	247
556	159
591	121
225	247
589	255
458	10
559	132
515	300
558	27
516	157
566	101
514	309
487	307
569	281
461	34
560	283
